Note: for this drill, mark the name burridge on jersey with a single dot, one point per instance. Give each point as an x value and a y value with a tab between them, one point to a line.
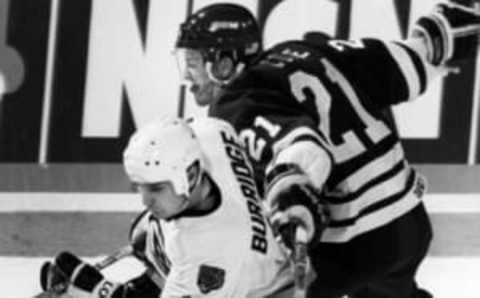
244	175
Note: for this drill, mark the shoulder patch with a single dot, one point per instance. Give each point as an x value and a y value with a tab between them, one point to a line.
210	278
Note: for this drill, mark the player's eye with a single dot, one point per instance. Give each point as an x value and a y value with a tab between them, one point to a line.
193	63
146	187
154	187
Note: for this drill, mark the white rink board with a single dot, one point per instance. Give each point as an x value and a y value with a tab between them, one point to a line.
125	202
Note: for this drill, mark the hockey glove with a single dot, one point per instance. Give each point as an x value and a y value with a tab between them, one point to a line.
292	201
70	275
451	32
297	207
52	279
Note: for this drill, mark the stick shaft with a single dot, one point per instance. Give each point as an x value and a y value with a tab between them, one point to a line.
114	257
300	260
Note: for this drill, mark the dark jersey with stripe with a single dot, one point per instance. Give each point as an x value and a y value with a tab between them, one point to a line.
334	95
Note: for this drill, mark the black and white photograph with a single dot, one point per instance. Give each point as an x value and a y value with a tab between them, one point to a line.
241	149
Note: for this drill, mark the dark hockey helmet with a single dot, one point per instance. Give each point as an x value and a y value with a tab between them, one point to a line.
222	29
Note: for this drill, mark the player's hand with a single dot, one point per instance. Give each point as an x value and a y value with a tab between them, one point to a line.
69	276
451	32
297	205
52	279
285	222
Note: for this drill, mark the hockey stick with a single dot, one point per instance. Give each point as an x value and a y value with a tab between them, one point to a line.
300	262
300	253
121	253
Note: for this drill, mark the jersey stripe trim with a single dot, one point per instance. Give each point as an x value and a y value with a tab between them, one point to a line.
419	65
376	219
386	175
347	213
371	170
407	67
344	170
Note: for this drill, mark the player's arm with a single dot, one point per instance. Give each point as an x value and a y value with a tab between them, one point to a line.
146	237
290	154
396	71
276	132
295	179
402	70
84	279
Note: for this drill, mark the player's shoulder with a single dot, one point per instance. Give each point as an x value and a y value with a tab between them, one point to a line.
210	127
268	74
295	44
272	69
296	51
332	49
208	124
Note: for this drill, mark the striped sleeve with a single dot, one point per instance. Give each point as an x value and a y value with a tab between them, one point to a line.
411	67
304	148
387	72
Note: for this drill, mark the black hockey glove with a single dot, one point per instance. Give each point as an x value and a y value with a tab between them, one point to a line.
52	279
299	205
292	202
68	274
451	32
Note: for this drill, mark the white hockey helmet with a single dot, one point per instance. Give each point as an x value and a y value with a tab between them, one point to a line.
164	150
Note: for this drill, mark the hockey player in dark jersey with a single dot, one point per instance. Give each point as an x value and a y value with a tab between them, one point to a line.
310	114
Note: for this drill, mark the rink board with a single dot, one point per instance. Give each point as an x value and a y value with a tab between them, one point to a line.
44	232
88	208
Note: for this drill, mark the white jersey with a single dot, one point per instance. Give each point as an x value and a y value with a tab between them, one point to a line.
231	251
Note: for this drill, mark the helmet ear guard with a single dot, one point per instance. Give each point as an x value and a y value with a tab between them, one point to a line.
224	67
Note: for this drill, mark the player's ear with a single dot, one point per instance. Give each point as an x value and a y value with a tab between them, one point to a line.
223	68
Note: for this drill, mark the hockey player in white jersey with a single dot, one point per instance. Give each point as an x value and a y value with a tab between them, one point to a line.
207	234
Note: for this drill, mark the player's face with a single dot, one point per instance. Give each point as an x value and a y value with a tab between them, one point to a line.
161	199
193	70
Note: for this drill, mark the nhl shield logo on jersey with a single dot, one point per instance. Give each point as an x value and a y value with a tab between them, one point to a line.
210	278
